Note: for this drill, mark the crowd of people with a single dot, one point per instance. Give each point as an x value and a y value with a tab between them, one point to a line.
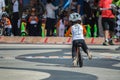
29	20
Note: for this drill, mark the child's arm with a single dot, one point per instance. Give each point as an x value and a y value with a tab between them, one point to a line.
68	32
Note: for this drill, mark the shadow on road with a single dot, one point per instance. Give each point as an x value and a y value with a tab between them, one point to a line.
59	75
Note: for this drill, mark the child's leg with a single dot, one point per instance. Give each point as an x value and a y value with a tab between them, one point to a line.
85	49
62	32
8	31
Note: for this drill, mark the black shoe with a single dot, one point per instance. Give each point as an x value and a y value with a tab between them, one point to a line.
111	43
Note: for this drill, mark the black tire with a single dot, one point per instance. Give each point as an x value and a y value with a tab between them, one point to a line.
80	59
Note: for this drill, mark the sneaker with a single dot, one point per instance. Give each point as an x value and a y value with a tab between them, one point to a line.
89	55
75	59
111	42
105	43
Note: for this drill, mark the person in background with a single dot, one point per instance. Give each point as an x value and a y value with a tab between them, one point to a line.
2	7
15	17
91	16
7	25
88	15
61	24
51	18
80	4
74	5
108	21
40	11
33	20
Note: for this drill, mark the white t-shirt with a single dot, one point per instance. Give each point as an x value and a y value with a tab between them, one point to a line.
62	26
16	6
50	11
77	32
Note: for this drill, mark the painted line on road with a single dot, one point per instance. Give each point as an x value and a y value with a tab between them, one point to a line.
22	40
65	57
7	57
59	57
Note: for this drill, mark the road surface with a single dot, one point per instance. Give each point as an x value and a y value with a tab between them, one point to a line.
53	62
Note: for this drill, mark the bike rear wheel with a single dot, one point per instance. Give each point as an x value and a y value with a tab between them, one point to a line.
80	59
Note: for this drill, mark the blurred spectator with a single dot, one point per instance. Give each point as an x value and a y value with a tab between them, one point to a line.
2	7
33	28
40	11
15	17
96	16
56	3
87	13
91	16
51	19
77	6
7	25
108	21
25	2
74	5
80	7
61	24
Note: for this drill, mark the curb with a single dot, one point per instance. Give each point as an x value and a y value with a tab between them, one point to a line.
49	40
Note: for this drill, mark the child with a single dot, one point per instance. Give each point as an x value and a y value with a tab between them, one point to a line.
77	36
33	20
61	26
7	25
62	23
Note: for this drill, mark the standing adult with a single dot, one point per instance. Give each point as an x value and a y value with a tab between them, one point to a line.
80	7
74	5
51	19
15	17
2	7
108	21
40	8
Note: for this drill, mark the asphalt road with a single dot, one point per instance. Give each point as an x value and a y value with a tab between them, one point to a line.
53	62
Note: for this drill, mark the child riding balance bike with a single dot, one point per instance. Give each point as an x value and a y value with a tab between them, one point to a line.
78	40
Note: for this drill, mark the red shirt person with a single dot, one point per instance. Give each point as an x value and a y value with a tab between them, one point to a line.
105	6
108	21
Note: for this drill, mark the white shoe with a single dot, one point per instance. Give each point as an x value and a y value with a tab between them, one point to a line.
75	61
89	55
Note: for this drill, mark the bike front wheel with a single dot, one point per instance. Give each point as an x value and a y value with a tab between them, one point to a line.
80	59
